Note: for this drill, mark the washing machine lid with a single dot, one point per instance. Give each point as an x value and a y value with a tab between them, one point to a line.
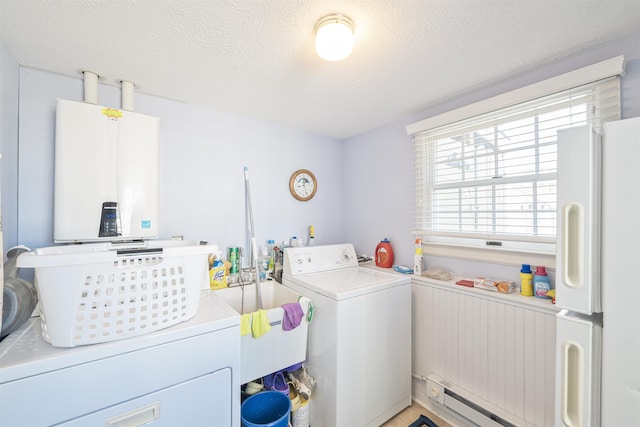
347	282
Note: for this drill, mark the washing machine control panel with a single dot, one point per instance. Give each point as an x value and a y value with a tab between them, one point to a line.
314	259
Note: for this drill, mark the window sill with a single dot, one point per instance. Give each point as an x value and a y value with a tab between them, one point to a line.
513	299
494	255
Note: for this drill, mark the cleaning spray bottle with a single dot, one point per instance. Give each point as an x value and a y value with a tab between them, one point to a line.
418	259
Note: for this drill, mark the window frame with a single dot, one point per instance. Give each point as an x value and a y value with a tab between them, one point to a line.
483	246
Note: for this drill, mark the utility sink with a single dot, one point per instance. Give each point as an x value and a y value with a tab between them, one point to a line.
277	349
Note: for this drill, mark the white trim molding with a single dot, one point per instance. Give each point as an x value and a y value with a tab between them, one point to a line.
601	70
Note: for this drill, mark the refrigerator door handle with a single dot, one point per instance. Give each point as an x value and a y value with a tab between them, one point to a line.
572	384
572	244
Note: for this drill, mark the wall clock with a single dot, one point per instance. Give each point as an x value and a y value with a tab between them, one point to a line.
303	185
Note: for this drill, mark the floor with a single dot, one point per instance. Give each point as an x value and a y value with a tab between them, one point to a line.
411	414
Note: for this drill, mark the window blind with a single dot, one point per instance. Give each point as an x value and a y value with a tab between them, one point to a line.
492	177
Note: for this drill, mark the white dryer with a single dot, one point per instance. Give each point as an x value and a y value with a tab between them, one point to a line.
185	375
359	346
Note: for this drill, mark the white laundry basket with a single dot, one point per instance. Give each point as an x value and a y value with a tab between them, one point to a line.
101	292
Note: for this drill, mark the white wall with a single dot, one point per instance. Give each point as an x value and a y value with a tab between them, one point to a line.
379	189
379	164
202	157
9	71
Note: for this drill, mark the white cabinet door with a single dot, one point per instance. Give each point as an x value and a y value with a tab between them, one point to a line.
578	340
578	255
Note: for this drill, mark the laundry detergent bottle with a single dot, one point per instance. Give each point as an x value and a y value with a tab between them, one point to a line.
541	283
526	281
384	254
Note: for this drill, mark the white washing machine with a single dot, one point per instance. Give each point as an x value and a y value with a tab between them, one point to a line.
359	345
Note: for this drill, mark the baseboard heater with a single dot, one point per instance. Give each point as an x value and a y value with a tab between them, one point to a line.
469	406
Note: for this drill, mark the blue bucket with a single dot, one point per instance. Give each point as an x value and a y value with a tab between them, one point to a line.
266	409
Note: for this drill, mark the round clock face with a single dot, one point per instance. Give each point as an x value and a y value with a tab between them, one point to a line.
303	185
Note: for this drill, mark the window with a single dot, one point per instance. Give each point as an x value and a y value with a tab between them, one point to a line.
490	180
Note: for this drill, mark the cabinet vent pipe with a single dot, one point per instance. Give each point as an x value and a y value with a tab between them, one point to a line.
127	95
90	87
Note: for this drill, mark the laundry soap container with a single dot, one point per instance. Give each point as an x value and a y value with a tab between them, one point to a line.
526	281
384	254
541	283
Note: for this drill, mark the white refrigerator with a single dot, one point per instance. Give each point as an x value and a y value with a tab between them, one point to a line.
598	276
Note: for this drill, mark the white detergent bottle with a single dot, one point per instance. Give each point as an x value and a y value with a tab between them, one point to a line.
418	259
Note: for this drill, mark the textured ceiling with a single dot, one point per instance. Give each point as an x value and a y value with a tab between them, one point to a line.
256	58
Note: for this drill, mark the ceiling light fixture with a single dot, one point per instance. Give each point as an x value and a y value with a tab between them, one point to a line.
334	37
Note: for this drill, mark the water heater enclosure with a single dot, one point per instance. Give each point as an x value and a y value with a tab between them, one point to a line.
106	174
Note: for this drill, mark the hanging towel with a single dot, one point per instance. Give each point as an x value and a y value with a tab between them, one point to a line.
260	323
245	324
292	315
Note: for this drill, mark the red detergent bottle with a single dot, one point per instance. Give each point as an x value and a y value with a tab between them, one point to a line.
384	254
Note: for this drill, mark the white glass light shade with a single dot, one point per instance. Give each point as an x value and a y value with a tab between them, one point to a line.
334	37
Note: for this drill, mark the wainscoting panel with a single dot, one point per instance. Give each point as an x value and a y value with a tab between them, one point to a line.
499	347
